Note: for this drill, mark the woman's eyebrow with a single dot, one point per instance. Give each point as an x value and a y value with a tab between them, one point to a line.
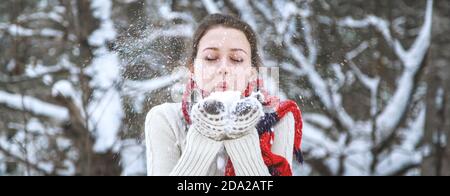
233	49
238	49
211	48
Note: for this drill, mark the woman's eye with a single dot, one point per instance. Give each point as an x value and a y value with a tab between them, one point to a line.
237	60
210	58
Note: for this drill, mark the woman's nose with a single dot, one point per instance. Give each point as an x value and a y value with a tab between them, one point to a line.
224	68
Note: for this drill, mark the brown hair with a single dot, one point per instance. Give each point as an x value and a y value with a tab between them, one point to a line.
219	20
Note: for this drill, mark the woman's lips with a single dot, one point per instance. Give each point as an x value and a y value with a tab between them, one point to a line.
222	86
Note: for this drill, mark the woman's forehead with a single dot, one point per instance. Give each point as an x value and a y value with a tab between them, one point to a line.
224	38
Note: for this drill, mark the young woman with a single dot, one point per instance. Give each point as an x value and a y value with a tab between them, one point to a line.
226	124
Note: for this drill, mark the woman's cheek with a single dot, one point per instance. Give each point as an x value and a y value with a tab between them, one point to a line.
202	73
205	80
236	80
245	74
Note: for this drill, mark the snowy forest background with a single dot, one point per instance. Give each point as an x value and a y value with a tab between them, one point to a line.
77	78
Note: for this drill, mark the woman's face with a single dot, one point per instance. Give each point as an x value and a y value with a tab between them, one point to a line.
223	61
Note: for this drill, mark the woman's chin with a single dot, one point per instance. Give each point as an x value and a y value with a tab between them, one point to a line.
224	90
219	89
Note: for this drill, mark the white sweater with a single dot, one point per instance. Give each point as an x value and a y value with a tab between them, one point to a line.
165	135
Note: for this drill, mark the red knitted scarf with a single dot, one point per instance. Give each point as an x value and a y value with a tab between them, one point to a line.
277	165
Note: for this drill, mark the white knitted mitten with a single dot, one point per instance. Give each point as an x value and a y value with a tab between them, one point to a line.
224	116
245	115
223	119
209	118
243	146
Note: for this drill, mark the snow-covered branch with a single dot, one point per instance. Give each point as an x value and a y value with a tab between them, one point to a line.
165	11
133	88
332	100
406	153
34	106
318	84
24	161
380	24
34	72
211	6
246	12
371	83
412	60
16	30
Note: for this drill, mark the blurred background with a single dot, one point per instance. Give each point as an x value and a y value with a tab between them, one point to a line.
77	78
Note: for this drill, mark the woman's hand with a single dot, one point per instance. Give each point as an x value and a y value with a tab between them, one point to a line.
203	140
243	145
245	115
217	120
217	123
209	118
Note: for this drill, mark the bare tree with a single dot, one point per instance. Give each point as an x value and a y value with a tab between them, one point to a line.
80	75
50	81
437	126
